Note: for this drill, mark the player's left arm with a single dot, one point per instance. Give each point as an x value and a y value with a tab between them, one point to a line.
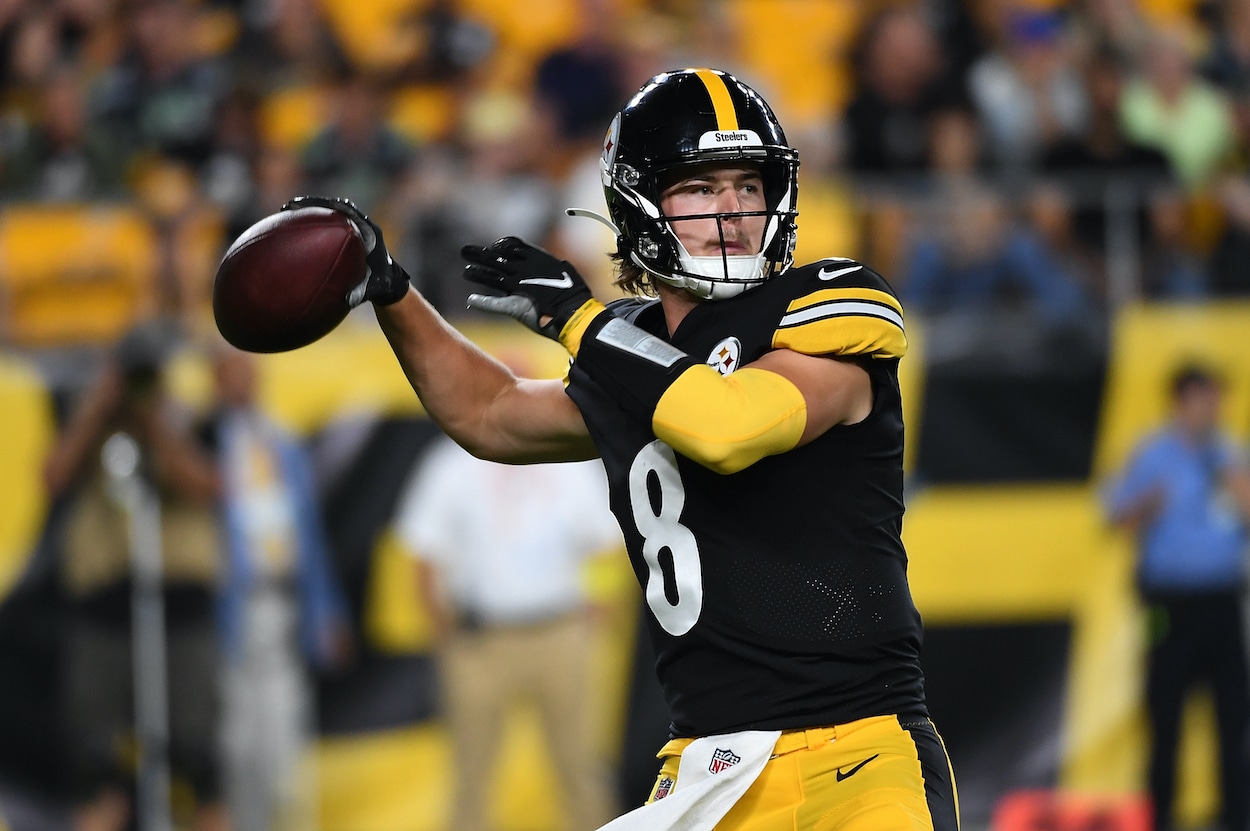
834	390
781	401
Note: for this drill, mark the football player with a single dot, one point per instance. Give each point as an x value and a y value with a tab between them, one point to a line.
747	413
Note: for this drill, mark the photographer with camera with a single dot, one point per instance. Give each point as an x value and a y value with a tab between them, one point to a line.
128	397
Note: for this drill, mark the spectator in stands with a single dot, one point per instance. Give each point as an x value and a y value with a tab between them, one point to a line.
581	85
128	396
226	179
357	152
58	158
1026	91
491	183
1185	494
649	43
1110	182
1170	267
1229	263
1048	213
38	37
963	29
956	148
500	551
32	49
450	44
282	613
900	82
1230	259
886	130
1227	62
164	95
286	44
12	16
1115	24
84	28
977	257
1102	163
505	185
967	252
1171	108
274	175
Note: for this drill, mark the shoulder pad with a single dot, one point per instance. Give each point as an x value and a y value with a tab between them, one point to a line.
841	307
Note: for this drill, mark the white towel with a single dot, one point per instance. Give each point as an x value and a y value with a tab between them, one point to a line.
715	772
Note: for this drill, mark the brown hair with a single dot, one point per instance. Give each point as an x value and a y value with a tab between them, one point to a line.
632	278
1191	375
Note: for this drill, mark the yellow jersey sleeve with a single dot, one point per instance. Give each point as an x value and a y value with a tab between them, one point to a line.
849	318
728	423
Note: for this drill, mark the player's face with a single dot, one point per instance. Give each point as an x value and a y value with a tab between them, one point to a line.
717	189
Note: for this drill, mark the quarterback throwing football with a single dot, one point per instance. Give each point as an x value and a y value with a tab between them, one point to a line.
747	413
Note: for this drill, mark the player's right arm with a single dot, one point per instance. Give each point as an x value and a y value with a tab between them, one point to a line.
476	399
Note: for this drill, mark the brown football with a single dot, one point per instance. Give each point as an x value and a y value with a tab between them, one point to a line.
284	282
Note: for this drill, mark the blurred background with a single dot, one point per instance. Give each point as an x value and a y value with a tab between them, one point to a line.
1058	191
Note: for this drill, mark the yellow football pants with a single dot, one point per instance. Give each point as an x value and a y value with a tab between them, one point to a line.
878	774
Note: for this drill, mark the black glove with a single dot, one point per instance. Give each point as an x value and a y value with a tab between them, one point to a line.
385	280
535	284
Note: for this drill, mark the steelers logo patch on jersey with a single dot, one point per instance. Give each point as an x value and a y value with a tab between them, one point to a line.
725	356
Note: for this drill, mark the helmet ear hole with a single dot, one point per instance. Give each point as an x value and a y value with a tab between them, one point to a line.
686	117
627	175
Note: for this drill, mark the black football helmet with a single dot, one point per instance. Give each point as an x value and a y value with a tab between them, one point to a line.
686	117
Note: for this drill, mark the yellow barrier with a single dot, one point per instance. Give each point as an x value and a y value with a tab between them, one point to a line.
25	438
98	283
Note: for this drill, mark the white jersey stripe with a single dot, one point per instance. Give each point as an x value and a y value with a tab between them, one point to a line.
837	308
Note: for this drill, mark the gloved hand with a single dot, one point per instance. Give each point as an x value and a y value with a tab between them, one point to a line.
539	290
385	280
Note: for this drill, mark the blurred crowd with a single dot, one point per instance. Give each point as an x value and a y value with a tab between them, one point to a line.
1061	157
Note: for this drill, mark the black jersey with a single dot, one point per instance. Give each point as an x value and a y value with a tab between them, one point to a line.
778	595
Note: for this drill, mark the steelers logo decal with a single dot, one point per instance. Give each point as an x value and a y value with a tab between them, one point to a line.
725	355
609	151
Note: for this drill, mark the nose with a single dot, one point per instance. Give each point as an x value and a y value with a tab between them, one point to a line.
728	202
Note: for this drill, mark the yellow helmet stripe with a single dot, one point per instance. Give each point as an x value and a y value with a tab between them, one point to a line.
722	104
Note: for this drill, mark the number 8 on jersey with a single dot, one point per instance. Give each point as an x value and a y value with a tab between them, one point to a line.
657	496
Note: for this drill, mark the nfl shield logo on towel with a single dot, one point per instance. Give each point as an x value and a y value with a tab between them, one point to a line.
664	788
723	760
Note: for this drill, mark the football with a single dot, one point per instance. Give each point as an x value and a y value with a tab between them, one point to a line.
284	282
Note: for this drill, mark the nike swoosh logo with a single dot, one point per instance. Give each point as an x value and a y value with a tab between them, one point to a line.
565	282
830	274
855	769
